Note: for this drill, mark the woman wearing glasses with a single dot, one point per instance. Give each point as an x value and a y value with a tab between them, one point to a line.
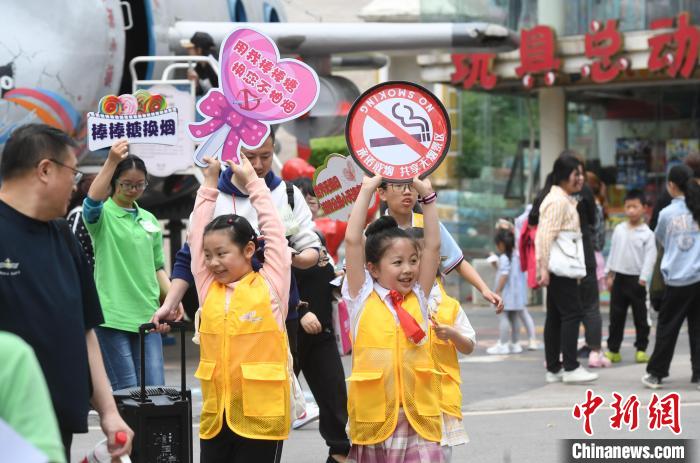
129	263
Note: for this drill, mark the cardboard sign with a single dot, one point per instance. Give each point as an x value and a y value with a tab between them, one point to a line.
398	130
257	88
337	184
162	160
159	128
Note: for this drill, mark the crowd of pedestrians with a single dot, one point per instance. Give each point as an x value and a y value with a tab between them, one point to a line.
264	282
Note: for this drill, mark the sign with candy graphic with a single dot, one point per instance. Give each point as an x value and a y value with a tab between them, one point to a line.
257	88
141	118
337	184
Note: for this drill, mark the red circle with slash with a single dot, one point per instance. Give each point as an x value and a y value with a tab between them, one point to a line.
398	130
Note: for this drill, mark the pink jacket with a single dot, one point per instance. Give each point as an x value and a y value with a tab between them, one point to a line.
278	261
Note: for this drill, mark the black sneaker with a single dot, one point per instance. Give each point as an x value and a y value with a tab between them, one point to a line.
583	352
651	381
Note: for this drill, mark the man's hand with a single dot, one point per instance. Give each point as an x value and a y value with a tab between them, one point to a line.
111	423
642	282
494	299
167	313
609	280
310	323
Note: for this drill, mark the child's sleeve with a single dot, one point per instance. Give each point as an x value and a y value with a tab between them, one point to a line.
201	216
503	265
463	326
450	253
354	305
277	267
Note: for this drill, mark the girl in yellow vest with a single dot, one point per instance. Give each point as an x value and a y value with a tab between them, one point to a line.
394	388
452	333
243	349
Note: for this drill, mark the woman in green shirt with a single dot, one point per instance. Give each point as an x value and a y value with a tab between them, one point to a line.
129	271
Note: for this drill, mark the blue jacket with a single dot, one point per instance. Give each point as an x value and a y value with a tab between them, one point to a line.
679	234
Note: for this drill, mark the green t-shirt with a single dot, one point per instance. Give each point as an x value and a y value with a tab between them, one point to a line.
25	403
128	253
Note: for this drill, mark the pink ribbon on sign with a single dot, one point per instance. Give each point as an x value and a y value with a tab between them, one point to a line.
247	129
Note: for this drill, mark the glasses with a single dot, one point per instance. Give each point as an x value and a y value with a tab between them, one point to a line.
133	186
77	175
401	187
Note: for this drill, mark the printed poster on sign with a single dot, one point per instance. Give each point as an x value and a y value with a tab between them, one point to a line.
140	118
257	88
337	184
398	130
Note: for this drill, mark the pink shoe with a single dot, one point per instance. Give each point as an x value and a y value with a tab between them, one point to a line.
597	360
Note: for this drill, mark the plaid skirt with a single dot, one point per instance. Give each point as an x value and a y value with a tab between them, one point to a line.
405	445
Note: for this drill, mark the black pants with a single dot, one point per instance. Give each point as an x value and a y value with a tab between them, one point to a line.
319	360
590	300
292	337
67	438
680	302
564	316
627	291
229	447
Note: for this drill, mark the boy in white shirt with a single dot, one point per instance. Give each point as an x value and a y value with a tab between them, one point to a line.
629	268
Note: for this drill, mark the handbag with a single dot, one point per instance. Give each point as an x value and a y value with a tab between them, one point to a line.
566	257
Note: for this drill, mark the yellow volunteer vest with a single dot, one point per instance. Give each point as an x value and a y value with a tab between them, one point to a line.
243	363
445	356
389	371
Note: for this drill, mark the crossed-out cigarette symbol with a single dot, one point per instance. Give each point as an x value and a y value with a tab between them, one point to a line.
404	120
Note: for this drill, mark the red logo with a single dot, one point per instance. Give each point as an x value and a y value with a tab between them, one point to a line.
398	130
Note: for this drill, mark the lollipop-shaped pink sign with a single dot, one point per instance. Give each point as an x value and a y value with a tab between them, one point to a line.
257	88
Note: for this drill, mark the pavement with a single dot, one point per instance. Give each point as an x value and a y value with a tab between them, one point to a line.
510	414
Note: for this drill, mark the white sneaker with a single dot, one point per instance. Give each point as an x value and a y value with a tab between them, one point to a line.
515	348
554	377
579	375
310	415
533	345
498	349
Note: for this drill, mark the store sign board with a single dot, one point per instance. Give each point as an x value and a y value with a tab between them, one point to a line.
398	130
671	51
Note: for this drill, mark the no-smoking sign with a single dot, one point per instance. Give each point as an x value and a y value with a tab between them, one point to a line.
398	130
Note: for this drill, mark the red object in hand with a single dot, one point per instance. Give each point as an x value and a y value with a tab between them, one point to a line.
120	438
297	167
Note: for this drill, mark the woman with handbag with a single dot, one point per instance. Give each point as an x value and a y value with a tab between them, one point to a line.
561	266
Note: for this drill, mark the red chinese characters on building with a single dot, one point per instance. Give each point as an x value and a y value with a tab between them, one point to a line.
587	409
602	44
627	413
473	68
538	55
674	51
665	412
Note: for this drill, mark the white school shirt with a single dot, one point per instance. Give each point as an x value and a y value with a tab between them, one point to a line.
632	251
355	305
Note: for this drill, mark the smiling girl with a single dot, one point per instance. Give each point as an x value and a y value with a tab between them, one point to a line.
394	389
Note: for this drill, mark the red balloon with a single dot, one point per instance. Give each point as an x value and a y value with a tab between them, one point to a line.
297	167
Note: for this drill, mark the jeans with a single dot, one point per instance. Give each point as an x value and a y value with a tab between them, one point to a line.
121	353
564	316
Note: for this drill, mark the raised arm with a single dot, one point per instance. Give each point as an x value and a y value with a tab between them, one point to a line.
354	240
430	257
201	216
99	190
277	267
